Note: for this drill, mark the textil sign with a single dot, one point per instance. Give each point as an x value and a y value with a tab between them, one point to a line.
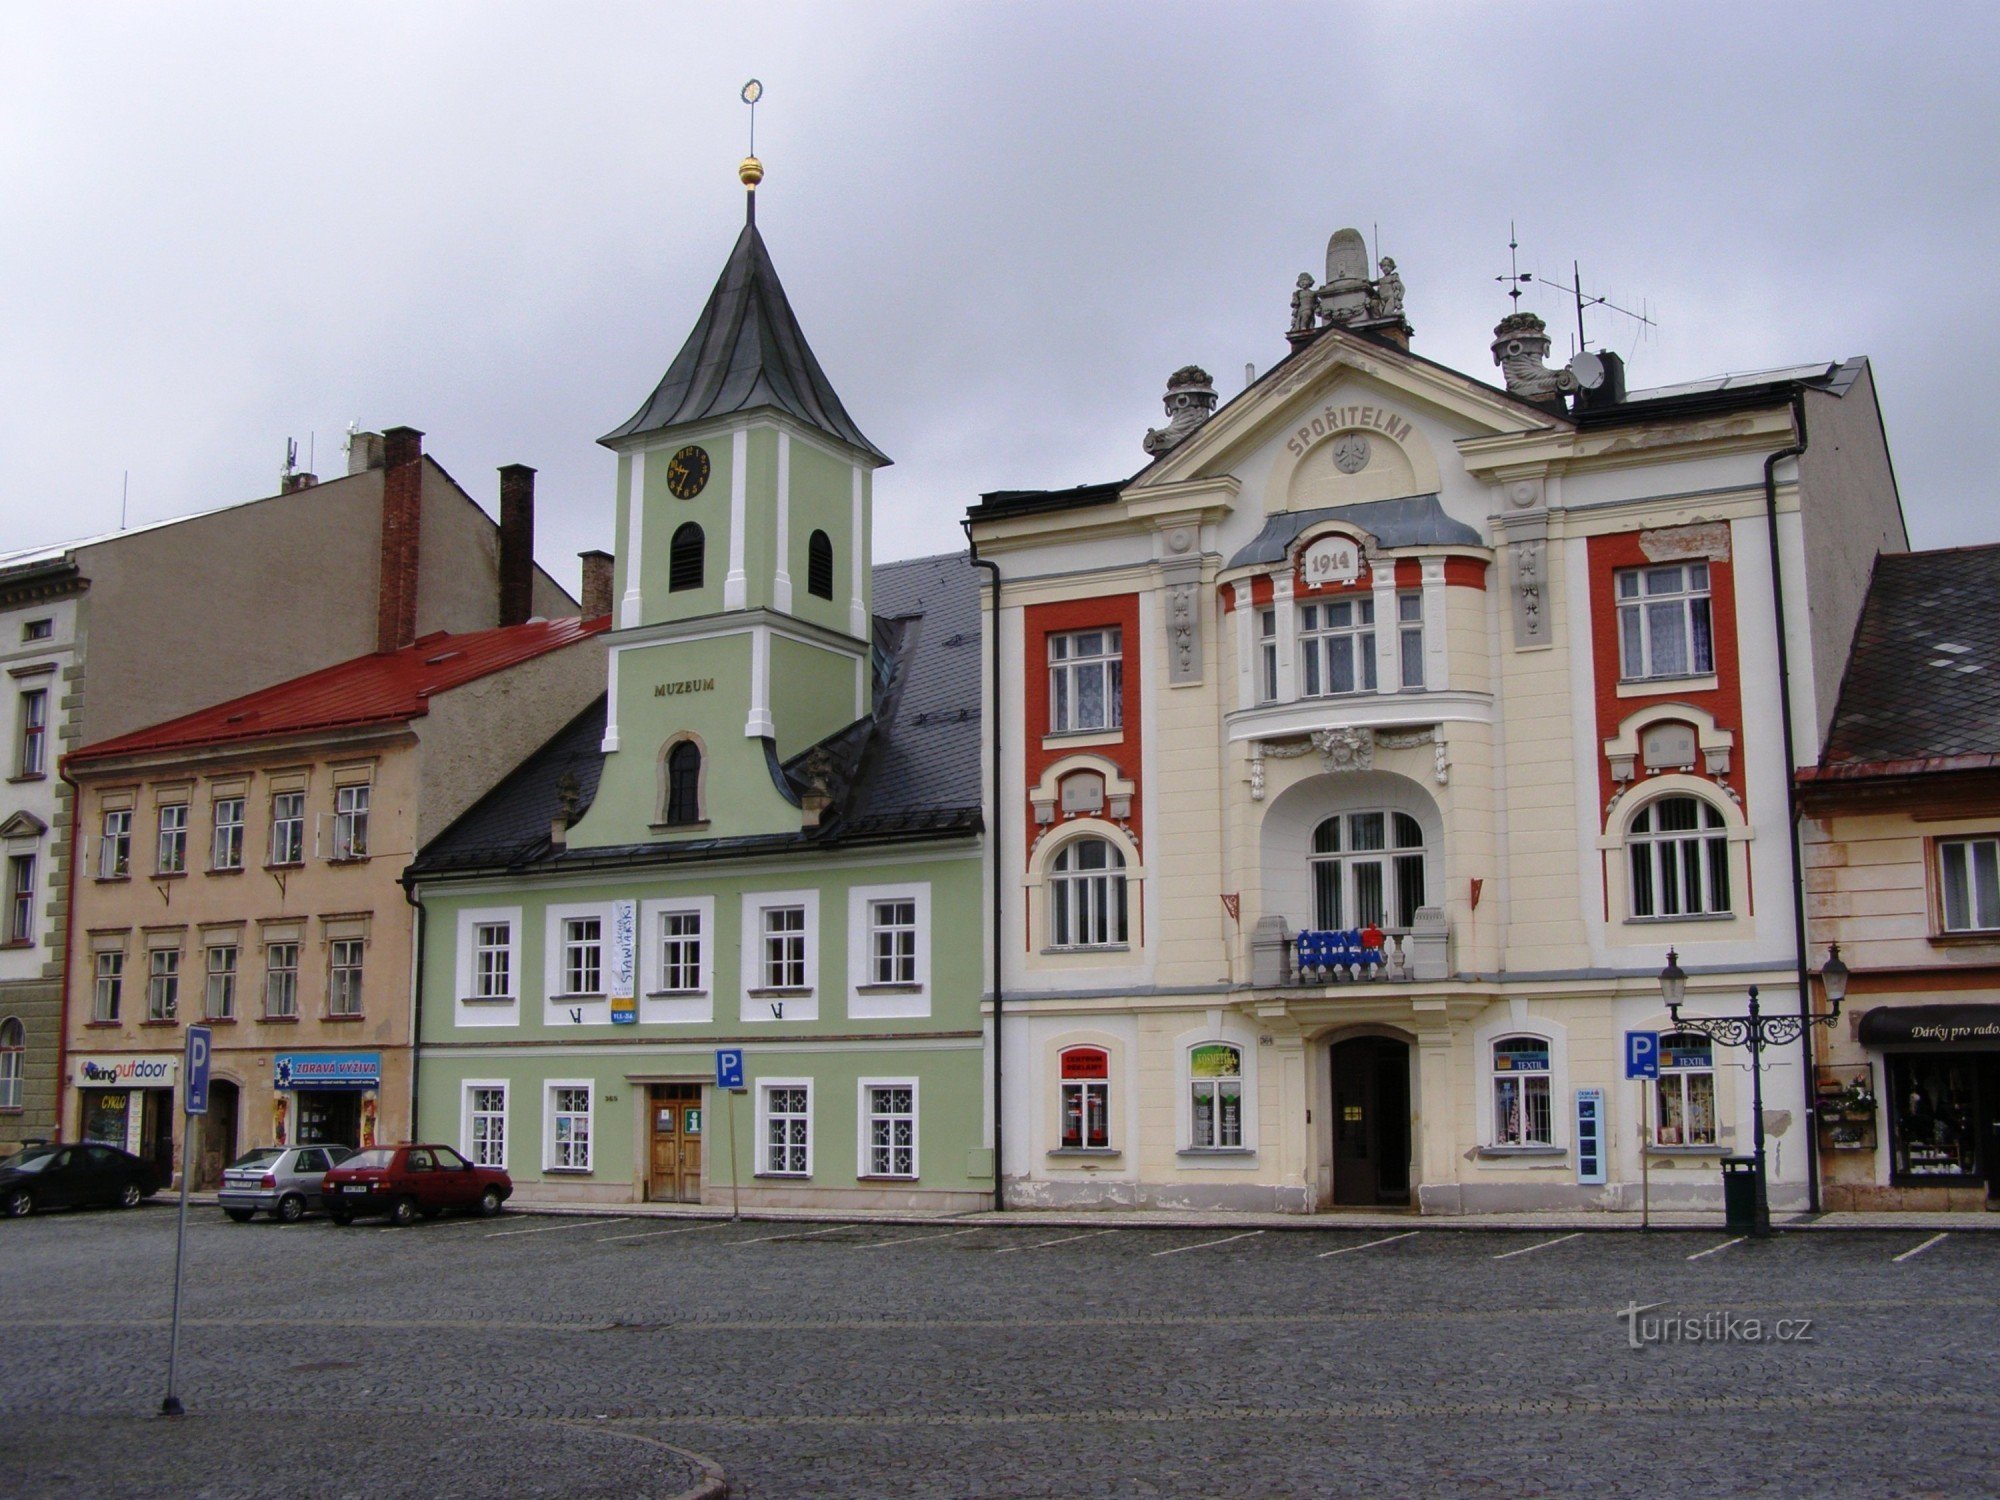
327	1070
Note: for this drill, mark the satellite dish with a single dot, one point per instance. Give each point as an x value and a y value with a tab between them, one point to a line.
1588	370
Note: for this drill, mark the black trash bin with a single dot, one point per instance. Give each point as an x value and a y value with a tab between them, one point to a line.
1739	1192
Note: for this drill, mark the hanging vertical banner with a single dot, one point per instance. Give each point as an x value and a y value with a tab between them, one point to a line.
624	962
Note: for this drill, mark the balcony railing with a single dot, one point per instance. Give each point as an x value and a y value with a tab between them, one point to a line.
1312	956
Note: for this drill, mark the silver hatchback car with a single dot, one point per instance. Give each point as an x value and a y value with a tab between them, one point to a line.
282	1181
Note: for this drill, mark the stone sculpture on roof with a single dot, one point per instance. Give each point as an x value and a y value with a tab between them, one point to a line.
1190	401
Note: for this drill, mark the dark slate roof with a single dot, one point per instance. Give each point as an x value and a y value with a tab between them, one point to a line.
1413	521
909	770
747	351
1922	690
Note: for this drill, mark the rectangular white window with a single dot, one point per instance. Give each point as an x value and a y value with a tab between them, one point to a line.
1267	656
163	984
1215	1104
219	1000
1684	1093
114	849
1337	647
784	947
226	844
569	1128
492	961
680	951
1521	1108
892	941
343	992
1085	1100
1663	622
21	899
1410	638
110	987
288	828
350	822
281	981
32	753
486	1124
1086	680
1969	875
173	843
786	1147
890	1129
583	955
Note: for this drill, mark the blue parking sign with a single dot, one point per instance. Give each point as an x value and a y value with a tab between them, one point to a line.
729	1067
1642	1054
200	1043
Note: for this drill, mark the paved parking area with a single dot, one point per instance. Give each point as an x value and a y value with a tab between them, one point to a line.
994	1360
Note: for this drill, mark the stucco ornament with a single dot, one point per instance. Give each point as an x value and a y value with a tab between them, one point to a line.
1345	749
1351	452
1190	401
1275	750
1520	344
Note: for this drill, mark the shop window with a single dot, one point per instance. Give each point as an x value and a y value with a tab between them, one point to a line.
569	1127
21	899
1215	1087
1934	1116
281	981
219	998
1521	1108
288	828
486	1124
226	840
1086	1099
1684	1094
173	840
163	984
109	989
683	784
891	1128
343	991
685	558
1267	656
583	956
819	565
1337	647
1086	680
114	849
31	753
492	960
1680	859
892	941
13	1051
1969	879
1663	622
785	1114
1086	886
784	966
350	822
1367	871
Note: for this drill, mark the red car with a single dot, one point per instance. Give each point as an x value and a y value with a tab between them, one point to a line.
405	1181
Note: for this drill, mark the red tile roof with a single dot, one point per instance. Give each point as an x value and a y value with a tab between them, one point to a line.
382	688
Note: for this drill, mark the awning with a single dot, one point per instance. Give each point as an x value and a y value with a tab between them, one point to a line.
1955	1025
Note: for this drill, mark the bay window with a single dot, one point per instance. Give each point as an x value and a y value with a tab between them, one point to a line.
1337	646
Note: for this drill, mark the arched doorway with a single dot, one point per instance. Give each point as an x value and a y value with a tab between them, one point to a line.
216	1134
1371	1121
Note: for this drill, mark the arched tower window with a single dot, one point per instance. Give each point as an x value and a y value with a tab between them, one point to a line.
684	558
819	565
684	783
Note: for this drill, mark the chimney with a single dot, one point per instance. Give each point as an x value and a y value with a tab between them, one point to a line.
402	525
364	452
293	483
517	543
596	583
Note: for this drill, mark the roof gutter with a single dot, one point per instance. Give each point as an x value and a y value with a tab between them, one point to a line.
993	838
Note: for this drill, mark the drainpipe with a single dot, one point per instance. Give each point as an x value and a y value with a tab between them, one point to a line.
69	938
993	837
1807	1058
416	1000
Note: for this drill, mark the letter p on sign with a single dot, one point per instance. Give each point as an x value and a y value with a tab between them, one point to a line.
200	1043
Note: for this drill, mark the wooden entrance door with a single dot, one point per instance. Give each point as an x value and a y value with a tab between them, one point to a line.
675	1175
1371	1121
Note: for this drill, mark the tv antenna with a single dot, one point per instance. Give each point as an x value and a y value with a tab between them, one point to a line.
291	456
1515	275
1643	317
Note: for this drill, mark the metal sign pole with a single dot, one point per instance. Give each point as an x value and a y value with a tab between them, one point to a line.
735	1196
171	1407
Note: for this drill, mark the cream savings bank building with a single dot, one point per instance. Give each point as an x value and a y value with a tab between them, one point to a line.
1364	755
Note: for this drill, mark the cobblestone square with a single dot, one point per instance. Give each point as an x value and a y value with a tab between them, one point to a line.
541	1355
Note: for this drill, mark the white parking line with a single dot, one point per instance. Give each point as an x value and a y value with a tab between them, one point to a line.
1068	1239
794	1235
914	1238
1723	1246
557	1228
1205	1244
653	1234
1920	1249
1350	1249
1559	1239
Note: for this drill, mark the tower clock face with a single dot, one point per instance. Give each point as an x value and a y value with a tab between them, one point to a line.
687	472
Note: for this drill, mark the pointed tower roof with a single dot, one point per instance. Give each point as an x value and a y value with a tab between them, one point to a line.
747	351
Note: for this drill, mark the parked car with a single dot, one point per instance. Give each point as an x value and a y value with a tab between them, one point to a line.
405	1181
64	1175
282	1181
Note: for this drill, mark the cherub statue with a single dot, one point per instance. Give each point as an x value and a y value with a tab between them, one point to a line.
1305	303
1387	293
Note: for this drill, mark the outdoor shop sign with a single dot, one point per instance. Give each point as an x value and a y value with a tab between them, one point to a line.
161	1072
1953	1025
327	1070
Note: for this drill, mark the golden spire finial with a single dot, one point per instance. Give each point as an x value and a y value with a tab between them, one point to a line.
752	170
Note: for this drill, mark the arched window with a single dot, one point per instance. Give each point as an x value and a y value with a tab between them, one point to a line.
1522	1115
1086	1099
1680	859
1087	895
1215	1085
1367	871
13	1047
819	565
683	783
684	558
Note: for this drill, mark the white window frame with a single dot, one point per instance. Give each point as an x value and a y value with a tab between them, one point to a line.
686	1006
868	998
350	821
763	1002
163	984
226	837
1270	687
469	1007
864	1136
1085	1087
765	1088
228	977
1066	666
1977	903
1191	1091
559	1006
171	846
1682	1076
467	1141
1663	847
1638	616
348	1006
114	847
1495	1075
550	1114
1062	889
13	1058
107	972
1409	636
295	822
1347	861
1319	643
271	971
31	746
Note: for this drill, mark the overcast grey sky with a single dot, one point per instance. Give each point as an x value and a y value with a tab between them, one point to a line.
1001	226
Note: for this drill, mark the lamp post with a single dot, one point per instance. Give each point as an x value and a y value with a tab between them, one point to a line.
1756	1031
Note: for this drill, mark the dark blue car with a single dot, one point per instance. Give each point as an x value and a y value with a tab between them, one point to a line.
71	1175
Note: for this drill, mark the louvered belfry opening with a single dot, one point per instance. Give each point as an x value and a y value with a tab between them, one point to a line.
684	558
819	565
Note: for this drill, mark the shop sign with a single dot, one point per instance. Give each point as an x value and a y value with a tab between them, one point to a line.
1521	1062
327	1070
127	1072
1954	1025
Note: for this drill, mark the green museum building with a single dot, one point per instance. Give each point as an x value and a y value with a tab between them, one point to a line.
765	836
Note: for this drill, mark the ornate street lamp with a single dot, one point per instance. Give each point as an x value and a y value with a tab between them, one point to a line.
1755	1032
